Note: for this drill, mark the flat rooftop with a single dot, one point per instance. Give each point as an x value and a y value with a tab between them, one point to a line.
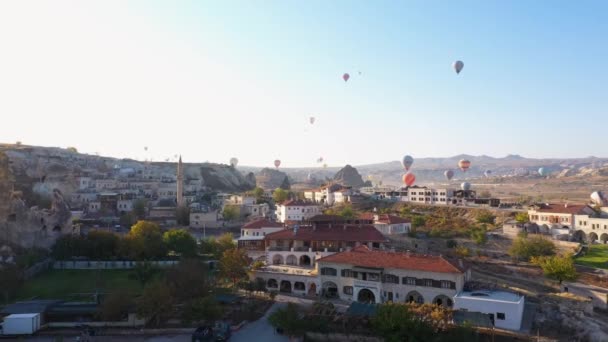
490	295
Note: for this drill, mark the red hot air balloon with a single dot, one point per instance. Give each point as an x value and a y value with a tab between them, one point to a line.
409	179
277	163
345	77
464	165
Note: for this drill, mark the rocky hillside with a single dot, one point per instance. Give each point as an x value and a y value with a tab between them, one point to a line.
270	179
349	176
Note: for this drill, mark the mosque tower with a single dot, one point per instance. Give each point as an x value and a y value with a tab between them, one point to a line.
180	183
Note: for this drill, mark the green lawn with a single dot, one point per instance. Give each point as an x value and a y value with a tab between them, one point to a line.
77	284
596	256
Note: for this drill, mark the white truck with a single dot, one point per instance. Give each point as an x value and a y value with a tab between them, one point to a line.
20	324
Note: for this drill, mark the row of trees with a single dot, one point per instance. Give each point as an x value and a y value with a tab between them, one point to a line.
186	290
145	241
396	322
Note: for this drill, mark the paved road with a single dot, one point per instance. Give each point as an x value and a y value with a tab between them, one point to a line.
260	330
598	295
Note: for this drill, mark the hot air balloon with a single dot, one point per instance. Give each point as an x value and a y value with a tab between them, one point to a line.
320	160
487	173
465	186
345	77
542	171
598	198
448	174
407	162
277	163
234	161
409	179
464	164
145	148
311	120
458	65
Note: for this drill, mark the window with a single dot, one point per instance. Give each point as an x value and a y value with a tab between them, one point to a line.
500	315
373	277
428	282
389	278
409	281
348	274
329	271
348	290
445	284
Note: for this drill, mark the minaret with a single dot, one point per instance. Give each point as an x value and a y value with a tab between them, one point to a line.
180	183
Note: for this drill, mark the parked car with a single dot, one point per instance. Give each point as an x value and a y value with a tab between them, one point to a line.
219	331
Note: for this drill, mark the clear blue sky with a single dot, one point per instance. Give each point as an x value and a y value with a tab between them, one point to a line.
216	79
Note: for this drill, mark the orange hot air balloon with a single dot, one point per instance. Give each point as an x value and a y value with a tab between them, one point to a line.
277	163
345	77
464	165
409	179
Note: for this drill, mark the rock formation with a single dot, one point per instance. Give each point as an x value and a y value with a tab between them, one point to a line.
349	176
270	179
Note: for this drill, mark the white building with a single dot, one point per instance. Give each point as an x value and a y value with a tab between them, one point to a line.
200	219
240	200
591	228
391	224
84	183
329	195
375	276
105	184
297	211
255	210
253	234
292	254
426	195
505	309
557	216
124	205
94	206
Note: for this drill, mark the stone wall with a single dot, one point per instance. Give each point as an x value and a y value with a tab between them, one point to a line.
112	264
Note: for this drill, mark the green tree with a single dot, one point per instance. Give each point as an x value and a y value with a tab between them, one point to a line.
479	236
155	304
462	251
526	247
233	265
181	242
347	212
257	265
188	279
201	309
418	221
451	243
11	280
258	193
143	272
149	235
280	195
287	319
556	267
72	149
115	306
139	208
485	217
102	245
396	322
230	213
521	217
182	215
